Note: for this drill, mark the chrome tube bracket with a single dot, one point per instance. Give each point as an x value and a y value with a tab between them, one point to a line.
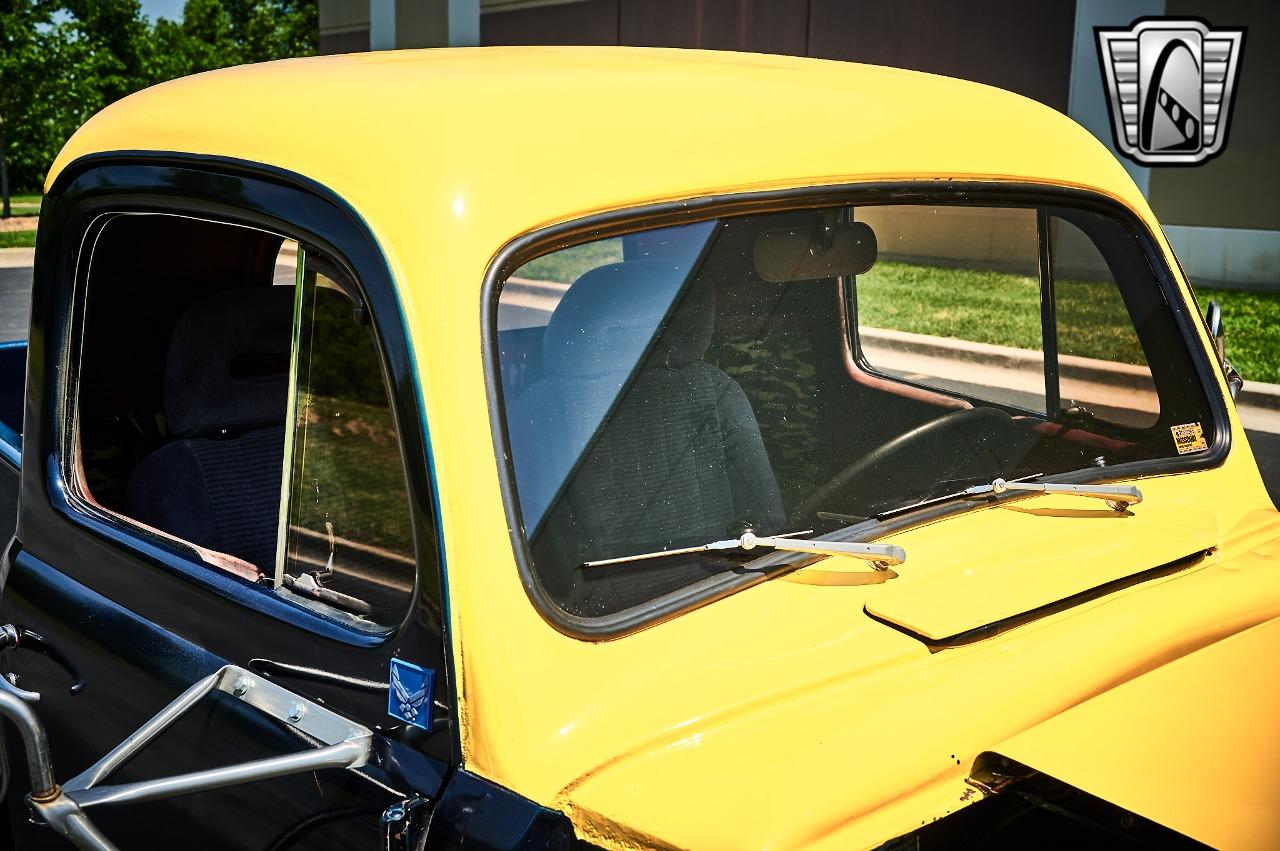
342	744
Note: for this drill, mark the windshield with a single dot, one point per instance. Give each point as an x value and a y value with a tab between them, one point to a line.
811	370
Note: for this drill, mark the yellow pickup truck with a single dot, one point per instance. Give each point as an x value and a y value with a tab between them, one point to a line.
552	448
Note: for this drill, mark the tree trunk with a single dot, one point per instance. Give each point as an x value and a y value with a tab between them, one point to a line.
5	212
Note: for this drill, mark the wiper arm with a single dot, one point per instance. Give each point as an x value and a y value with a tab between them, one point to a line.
1119	497
947	497
881	556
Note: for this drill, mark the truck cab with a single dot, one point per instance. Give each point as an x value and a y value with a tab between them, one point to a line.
620	448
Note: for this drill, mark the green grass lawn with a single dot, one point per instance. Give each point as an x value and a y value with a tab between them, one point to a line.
1003	308
996	307
17	239
24	205
1252	322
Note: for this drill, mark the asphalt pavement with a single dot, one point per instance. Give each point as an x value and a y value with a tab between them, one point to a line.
1266	449
15	300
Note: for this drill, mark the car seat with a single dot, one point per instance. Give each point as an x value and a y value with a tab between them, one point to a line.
612	459
216	483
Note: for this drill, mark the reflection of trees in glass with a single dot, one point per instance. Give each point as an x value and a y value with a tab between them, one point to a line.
344	361
567	265
347	461
354	477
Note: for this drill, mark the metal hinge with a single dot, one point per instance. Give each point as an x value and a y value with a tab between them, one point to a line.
404	824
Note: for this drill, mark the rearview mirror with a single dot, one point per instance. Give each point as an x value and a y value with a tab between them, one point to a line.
1217	333
804	254
1213	317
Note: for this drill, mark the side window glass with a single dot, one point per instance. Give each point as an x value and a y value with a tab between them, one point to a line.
240	415
1102	367
181	387
348	538
953	302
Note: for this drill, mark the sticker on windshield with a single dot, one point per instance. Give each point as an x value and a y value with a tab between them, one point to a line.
1188	438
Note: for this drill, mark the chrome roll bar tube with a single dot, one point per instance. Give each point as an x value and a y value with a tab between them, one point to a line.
343	744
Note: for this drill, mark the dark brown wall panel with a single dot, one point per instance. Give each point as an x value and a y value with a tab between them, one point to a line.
1001	42
763	26
659	23
1006	43
1241	187
777	26
760	26
722	24
356	41
595	22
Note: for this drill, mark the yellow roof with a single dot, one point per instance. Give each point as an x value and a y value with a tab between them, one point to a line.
530	135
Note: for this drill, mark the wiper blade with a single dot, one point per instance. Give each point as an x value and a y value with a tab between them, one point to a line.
1119	497
960	494
881	556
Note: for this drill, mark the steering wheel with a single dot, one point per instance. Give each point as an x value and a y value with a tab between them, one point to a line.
950	435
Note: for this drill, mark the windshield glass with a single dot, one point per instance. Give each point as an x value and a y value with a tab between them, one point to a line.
809	370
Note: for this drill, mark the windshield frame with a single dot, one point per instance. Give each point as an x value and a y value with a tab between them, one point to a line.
614	223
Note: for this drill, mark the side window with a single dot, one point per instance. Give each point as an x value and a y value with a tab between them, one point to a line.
197	345
349	542
954	301
1102	367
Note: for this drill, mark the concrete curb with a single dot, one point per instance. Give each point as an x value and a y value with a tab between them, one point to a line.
17	258
1094	371
1257	394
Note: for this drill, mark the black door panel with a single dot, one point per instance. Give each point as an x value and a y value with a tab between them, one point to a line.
124	688
142	620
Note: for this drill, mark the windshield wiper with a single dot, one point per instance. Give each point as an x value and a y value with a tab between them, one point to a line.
1119	497
881	556
946	497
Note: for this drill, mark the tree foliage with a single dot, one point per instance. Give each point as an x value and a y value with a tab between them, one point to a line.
63	60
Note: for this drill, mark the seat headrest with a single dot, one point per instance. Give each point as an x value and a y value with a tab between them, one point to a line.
228	362
606	319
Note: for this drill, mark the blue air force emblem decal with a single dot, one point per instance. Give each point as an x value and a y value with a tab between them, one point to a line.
1170	85
409	698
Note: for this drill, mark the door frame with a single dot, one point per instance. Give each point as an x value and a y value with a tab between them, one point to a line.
164	585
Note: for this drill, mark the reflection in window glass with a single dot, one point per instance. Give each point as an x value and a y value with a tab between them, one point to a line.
964	274
1102	365
594	366
349	536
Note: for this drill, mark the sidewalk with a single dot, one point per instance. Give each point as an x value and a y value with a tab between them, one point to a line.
17	258
17	223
